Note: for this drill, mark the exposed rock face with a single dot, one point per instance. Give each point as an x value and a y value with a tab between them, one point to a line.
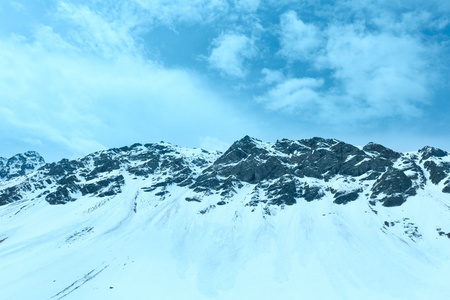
101	174
429	152
271	174
395	187
345	197
437	163
20	164
280	169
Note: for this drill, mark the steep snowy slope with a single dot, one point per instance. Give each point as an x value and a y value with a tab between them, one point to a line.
309	219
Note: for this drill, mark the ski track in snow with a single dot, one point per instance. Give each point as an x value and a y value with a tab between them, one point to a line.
78	283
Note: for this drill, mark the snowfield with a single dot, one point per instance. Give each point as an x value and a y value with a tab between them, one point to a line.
126	240
131	246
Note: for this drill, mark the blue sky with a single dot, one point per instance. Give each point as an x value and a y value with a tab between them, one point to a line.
81	76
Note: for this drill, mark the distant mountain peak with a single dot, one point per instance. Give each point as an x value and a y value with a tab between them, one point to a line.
20	164
427	152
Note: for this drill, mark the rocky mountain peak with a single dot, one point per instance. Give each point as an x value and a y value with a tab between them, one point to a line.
427	152
318	142
2	162
242	149
283	168
381	151
20	164
280	173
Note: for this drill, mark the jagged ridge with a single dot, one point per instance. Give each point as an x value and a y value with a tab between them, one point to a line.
20	164
279	173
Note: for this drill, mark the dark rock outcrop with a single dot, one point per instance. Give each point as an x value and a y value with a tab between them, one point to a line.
427	152
395	187
278	174
20	164
346	197
438	172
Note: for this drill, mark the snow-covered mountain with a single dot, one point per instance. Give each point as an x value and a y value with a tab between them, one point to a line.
308	219
20	164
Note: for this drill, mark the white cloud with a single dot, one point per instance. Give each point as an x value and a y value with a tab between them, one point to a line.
388	73
77	73
371	73
247	5
272	76
299	41
170	12
411	22
82	104
229	53
94	90
92	31
293	95
48	39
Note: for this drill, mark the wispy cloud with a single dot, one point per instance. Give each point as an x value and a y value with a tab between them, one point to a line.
272	76
174	11
92	31
299	41
247	5
230	52
79	74
296	94
88	87
369	72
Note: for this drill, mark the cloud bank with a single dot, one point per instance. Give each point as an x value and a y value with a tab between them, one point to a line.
89	87
369	73
79	76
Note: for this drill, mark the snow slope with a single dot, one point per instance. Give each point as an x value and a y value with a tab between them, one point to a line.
137	245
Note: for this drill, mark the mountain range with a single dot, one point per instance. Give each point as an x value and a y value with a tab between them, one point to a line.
295	219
